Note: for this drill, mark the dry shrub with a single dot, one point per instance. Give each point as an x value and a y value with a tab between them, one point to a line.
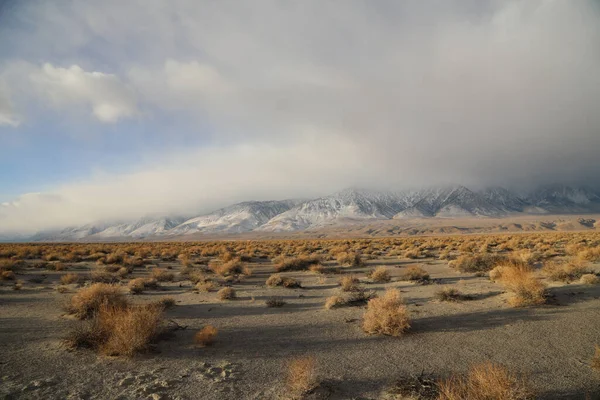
274	280
226	293
301	376
415	273
166	302
111	268
386	315
301	263
119	331
317	269
206	286
477	263
62	289
334	302
349	283
229	268
412	254
565	272
380	274
590	279
275	302
206	336
596	359
162	275
486	381
592	254
349	259
122	272
87	301
451	294
7	275
521	281
68	279
137	285
101	276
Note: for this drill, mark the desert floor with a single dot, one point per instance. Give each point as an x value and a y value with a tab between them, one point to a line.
552	344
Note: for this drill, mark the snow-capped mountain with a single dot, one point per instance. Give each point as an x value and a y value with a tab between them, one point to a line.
557	198
452	201
347	204
350	205
238	218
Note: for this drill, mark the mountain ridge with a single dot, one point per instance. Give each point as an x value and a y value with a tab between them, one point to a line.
353	204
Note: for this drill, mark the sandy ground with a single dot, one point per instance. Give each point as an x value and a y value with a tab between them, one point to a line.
552	344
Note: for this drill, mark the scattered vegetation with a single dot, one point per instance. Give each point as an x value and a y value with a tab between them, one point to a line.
451	294
415	273
386	315
275	302
206	336
301	376
227	293
569	271
520	279
88	301
486	381
278	280
380	275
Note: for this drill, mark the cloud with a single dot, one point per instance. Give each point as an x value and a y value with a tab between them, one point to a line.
8	117
300	98
108	98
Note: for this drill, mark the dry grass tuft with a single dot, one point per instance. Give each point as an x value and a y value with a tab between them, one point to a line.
226	293
301	376
386	315
274	302
297	264
521	281
566	272
349	259
485	381
88	301
590	279
477	263
380	275
136	286
278	280
162	275
595	364
68	279
206	336
451	294
349	283
415	273
166	302
119	331
334	302
7	276
206	286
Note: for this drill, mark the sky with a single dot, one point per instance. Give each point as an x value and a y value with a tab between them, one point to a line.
121	109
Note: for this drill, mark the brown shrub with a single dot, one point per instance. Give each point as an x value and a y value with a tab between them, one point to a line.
590	279
596	359
380	274
450	294
136	285
206	336
166	302
565	272
415	273
477	262
226	293
229	268
349	283
298	263
275	302
68	279
521	281
119	331
592	254
412	254
301	376
386	315
101	276
485	381
7	276
162	275
87	301
334	302
206	286
349	259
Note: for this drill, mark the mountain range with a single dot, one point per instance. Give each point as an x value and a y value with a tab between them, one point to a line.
350	205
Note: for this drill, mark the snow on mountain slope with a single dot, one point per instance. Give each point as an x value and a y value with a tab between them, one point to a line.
505	199
242	217
139	229
349	203
451	201
561	198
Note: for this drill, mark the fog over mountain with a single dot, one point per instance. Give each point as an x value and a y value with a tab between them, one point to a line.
201	105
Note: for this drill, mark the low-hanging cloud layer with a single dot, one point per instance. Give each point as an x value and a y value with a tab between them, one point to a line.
304	98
